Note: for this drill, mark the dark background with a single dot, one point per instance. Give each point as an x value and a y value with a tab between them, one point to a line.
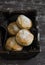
39	5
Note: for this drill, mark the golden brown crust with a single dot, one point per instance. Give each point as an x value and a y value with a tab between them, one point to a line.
23	23
24	38
11	44
13	28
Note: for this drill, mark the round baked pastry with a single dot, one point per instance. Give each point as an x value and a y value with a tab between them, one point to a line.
24	37
11	44
24	22
13	28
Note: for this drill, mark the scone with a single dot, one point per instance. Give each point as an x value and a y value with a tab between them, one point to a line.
11	44
24	37
13	28
24	22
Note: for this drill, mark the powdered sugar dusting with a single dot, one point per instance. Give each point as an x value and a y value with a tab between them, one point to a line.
24	34
15	27
25	20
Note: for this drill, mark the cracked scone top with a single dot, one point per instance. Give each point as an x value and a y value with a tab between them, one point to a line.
24	22
24	37
13	28
11	44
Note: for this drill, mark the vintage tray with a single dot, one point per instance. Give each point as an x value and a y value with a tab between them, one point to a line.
27	52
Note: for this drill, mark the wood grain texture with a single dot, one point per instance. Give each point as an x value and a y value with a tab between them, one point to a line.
39	5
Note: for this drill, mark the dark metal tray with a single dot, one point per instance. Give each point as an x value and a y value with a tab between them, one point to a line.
27	52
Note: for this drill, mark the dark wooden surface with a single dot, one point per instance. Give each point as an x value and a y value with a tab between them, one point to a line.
39	5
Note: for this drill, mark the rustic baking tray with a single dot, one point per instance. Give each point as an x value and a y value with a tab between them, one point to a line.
27	52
